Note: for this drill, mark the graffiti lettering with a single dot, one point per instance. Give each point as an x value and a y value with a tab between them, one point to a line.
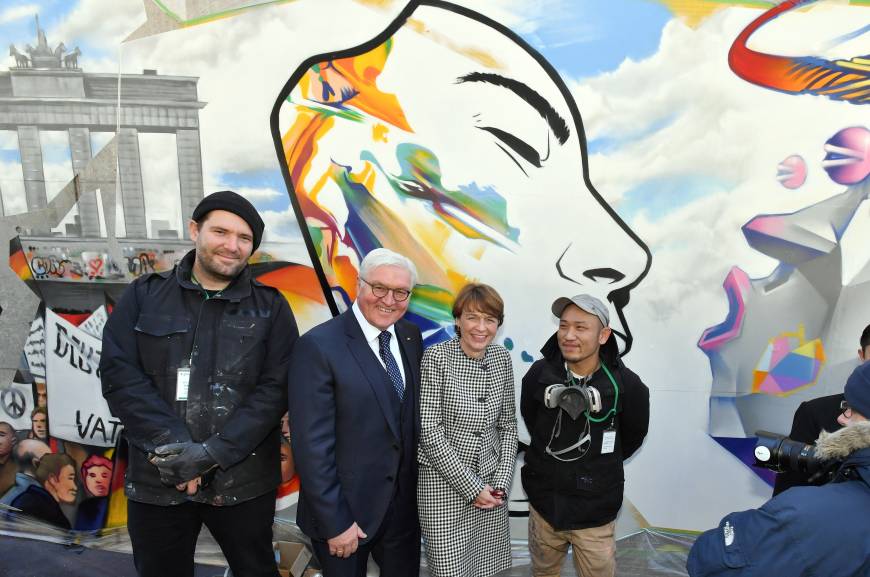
51	266
143	263
95	426
83	357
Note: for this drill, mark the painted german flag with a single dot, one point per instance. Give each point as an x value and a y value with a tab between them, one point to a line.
18	260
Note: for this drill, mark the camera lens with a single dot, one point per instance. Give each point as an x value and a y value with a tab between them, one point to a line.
779	453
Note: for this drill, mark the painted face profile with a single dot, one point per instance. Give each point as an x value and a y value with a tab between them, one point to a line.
65	484
7	441
450	140
56	472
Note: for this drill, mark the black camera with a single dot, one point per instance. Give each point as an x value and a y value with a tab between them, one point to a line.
780	454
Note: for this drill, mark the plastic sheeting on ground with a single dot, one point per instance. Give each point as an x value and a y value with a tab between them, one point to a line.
32	548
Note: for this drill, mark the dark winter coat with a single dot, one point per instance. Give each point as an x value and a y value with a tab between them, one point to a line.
805	531
239	342
586	492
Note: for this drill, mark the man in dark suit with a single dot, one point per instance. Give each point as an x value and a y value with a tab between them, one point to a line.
354	413
811	418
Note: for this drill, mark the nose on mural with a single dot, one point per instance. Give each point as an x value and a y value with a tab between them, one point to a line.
606	262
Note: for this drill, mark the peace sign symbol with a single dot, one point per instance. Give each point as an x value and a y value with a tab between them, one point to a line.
13	403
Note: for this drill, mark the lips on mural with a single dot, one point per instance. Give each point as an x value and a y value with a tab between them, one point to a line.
792	172
847	159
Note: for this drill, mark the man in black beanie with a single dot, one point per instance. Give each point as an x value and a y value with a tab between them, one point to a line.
194	364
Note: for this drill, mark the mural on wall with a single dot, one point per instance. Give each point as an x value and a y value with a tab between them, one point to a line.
670	151
473	165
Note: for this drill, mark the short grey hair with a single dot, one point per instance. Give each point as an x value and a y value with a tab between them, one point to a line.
385	257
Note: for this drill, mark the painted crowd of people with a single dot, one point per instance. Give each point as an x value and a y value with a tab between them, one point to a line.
62	484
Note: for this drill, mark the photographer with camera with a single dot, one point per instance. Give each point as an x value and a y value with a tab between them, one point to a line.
586	413
811	418
805	530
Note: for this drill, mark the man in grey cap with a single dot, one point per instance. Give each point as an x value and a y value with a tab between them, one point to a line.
194	364
586	412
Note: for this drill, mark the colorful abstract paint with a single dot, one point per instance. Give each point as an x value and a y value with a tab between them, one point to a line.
789	363
847	80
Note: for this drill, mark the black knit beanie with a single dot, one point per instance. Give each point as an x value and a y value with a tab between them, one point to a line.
858	389
231	202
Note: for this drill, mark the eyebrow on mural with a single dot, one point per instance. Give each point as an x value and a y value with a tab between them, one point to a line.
527	93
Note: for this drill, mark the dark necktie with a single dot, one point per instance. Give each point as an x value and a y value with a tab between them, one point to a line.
390	362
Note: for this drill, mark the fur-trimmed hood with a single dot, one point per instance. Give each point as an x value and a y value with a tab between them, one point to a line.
840	444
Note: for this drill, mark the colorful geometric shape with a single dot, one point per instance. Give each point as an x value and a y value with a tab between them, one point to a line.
788	363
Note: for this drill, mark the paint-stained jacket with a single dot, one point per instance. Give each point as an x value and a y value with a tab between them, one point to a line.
239	342
803	532
586	492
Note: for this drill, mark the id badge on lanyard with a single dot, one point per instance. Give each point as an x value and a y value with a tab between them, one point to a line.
182	383
608	440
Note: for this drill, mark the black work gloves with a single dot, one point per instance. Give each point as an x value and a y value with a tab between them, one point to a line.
181	462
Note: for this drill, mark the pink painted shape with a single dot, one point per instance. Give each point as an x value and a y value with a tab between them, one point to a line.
856	168
769	224
781	347
738	283
769	386
792	172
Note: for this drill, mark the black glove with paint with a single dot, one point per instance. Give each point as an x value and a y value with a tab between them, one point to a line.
181	462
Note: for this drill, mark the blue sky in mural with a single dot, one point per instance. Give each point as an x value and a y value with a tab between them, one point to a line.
655	198
259	179
17	23
587	38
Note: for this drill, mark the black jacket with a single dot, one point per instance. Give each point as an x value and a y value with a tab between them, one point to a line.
810	419
586	492
243	337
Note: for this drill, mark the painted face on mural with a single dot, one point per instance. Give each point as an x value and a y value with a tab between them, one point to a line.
97	480
7	441
39	428
383	311
41	395
457	146
64	484
288	467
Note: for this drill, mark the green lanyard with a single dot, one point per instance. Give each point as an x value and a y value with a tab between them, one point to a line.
612	411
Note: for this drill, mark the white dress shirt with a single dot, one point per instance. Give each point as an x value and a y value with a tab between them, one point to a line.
372	334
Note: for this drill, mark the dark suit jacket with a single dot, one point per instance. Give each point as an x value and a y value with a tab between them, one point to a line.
344	427
810	419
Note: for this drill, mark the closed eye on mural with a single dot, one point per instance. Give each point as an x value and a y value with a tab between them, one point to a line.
556	123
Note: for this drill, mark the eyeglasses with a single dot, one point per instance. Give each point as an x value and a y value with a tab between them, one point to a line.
845	408
381	291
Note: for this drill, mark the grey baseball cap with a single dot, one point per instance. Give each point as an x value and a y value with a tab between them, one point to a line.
588	303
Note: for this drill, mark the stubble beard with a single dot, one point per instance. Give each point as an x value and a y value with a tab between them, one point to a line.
208	262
